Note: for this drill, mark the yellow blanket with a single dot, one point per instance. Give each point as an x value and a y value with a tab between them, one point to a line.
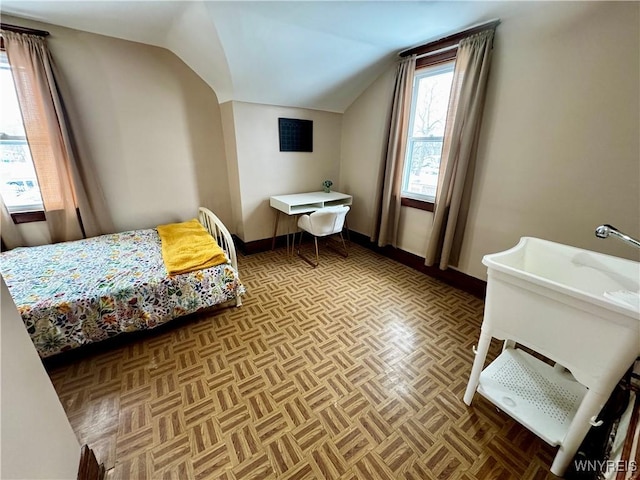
187	246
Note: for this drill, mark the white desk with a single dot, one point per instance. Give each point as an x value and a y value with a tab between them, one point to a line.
298	203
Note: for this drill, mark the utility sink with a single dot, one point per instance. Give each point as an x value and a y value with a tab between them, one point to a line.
603	280
576	308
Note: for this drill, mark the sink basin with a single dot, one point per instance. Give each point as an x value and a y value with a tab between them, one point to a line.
604	280
578	309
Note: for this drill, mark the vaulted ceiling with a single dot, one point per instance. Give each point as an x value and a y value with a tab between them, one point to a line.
308	54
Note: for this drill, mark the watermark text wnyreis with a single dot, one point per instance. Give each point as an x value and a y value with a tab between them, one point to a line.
605	466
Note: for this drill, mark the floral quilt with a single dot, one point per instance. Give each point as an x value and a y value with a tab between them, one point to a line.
75	293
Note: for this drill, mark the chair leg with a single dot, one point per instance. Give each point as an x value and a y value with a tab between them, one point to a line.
303	257
344	245
344	252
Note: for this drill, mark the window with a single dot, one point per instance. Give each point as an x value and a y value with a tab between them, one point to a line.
431	89
18	181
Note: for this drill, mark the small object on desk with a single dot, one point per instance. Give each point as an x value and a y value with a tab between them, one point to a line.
326	186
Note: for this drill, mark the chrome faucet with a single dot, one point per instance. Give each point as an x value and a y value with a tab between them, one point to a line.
603	231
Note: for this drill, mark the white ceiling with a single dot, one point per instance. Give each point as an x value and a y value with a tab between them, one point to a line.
309	54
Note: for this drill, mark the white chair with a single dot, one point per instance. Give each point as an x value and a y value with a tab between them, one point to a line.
323	223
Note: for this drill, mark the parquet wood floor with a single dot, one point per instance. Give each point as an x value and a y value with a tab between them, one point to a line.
354	370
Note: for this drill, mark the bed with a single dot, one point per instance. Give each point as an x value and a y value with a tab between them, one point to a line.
77	293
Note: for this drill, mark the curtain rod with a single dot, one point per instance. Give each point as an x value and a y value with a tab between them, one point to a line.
18	29
449	41
438	50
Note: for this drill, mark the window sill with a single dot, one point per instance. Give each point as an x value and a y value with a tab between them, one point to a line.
28	217
419	204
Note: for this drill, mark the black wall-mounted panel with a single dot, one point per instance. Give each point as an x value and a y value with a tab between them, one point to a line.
295	135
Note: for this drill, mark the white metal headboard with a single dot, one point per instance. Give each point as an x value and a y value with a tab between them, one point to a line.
217	229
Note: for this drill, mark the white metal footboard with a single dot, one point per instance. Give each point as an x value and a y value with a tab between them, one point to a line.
218	230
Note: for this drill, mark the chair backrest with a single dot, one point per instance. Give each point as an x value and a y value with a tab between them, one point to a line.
328	220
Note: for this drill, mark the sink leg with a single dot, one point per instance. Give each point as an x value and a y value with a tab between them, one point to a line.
589	408
478	364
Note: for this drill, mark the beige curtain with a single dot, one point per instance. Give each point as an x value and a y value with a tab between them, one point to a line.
389	201
62	180
459	149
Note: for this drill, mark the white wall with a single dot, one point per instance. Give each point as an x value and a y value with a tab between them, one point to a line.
149	126
229	132
263	170
36	438
559	151
363	147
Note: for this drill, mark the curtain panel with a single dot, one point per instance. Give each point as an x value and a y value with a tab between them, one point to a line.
457	162
60	177
388	204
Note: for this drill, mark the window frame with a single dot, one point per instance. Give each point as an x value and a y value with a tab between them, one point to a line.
25	216
432	60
